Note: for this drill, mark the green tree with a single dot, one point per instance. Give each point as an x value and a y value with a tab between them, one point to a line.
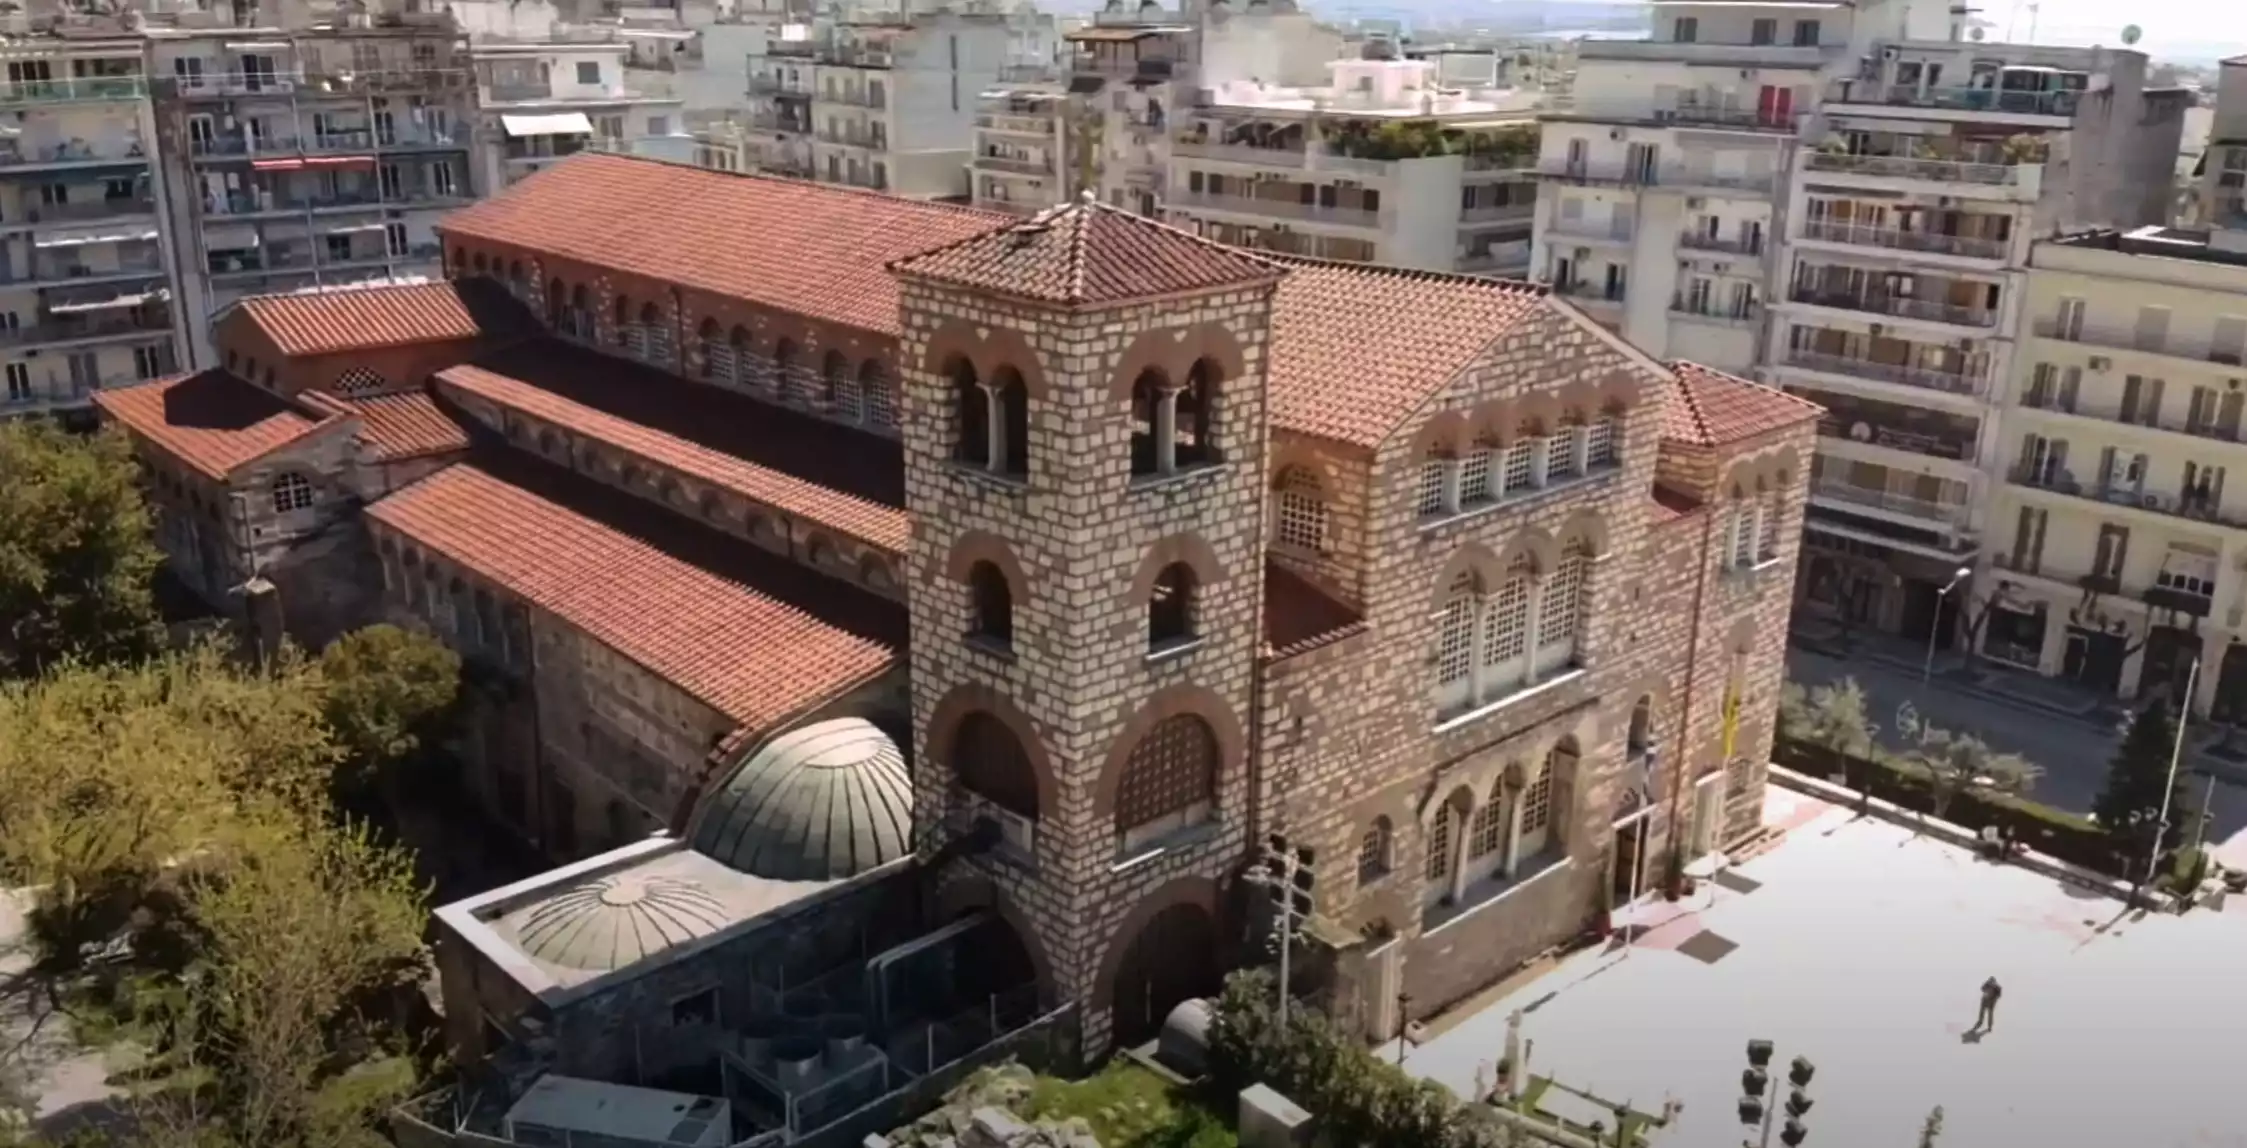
2129	804
75	551
1932	1130
1832	718
1959	763
387	692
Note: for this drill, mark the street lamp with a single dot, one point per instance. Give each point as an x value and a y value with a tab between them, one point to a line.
1758	1091
1935	625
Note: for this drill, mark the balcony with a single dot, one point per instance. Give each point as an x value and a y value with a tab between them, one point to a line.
1241	153
1014	165
355	140
775	86
1845	425
854	56
1702	241
1712	311
1277	209
1600	294
1948	382
1678	176
84	89
1607	174
77	153
2027	178
867	97
91	211
131	264
1618	229
69	329
522	92
1508	213
1702	52
1829	489
1681	115
1857	235
2059	104
224	146
849	138
2186	350
1897	306
2196	506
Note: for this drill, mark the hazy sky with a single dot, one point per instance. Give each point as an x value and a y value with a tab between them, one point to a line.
2183	28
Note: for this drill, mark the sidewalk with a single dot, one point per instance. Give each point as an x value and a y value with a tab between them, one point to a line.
1980	677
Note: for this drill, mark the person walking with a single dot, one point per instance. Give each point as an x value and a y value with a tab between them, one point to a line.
1986	1020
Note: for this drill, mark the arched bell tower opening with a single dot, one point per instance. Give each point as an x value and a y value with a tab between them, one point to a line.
1084	420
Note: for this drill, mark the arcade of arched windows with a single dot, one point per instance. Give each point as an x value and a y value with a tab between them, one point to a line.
1517	828
1498	465
473	618
990	419
1174	421
1499	634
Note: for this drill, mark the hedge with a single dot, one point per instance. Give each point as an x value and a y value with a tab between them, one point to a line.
2056	832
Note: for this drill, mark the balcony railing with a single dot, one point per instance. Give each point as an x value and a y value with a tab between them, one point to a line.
857	97
1714	311
2197	506
525	92
1933	380
775	86
59	330
1015	164
1630	111
1016	123
1936	170
92	210
847	56
1961	99
70	89
1278	208
1894	502
18	155
356	140
2132	341
241	145
855	139
1623	174
1590	292
1241	153
1512	212
1736	245
1615	230
1841	425
1860	235
1902	307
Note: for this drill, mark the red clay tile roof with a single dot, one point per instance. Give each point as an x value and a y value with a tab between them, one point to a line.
1670	505
875	523
405	425
1355	349
385	315
847	480
1087	254
210	420
1707	407
806	248
1299	616
750	634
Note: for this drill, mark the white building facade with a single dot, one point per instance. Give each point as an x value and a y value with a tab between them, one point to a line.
539	103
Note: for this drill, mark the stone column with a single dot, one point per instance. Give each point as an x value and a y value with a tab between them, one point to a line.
1461	839
1166	431
1540	460
994	423
1513	829
1532	618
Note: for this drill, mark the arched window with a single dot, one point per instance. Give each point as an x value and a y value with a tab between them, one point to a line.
1545	804
873	573
550	445
620	317
489	633
990	604
1486	834
1602	441
989	762
1767	533
820	555
1436	496
645	338
1299	510
1560	613
838	387
478	262
581	323
1169	782
669	490
1152	408
1374	851
630	476
1564	455
1525	459
1437	865
1170	607
1013	398
460	260
1742	514
712	506
1478	471
717	359
1640	736
971	415
620	823
739	343
880	397
463	612
784	383
517	281
1455	640
409	578
1505	646
291	492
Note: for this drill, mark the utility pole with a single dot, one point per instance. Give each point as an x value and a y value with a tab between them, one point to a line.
1287	875
2176	754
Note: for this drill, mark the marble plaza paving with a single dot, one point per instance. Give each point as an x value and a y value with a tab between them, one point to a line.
1862	948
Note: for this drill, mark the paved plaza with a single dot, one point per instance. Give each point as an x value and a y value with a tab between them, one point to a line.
1862	947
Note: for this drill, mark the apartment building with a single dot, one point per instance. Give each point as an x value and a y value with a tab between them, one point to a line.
1381	164
761	525
2222	184
2117	554
1033	148
307	159
86	297
1899	303
541	102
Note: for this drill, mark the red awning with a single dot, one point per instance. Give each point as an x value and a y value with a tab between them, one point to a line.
276	164
340	161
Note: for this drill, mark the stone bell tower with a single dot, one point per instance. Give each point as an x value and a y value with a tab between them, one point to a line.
1084	402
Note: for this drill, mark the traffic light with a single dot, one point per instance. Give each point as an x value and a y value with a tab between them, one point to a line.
1798	1103
1800	1071
1792	1133
1759	1052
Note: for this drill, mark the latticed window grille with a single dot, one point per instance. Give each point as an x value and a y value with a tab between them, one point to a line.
1475	474
1537	803
880	399
356	381
1506	633
1561	613
1488	831
1600	442
291	492
850	398
1767	546
1373	851
1519	470
1430	501
1561	448
1455	645
718	361
1438	865
1302	510
1172	770
1743	533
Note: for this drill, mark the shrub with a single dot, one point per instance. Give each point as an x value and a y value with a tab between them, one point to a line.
1356	1097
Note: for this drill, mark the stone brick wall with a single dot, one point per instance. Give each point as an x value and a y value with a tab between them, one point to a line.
1339	567
1078	686
244	349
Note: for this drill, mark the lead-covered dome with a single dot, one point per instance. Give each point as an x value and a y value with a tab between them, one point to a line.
615	921
822	803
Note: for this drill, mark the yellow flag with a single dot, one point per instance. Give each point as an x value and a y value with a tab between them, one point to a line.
1731	718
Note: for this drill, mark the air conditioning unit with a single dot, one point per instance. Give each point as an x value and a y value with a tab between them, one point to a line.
1615	134
2101	363
1583	253
1891	53
1695	204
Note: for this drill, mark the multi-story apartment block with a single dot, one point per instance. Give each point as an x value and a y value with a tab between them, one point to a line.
970	595
1906	244
86	295
1034	147
2222	189
1380	165
540	102
305	159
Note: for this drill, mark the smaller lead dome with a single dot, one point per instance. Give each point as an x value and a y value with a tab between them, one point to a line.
614	921
824	802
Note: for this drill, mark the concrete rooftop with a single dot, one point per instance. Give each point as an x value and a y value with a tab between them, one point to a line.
1863	949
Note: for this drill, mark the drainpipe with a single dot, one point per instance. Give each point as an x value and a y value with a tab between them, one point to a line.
1692	668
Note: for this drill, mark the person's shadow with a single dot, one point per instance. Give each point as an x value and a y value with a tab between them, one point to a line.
1973	1035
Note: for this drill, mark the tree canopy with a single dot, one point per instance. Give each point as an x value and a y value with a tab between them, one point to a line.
75	553
2129	804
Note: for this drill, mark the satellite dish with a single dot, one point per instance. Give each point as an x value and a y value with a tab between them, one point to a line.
2131	33
1979	33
